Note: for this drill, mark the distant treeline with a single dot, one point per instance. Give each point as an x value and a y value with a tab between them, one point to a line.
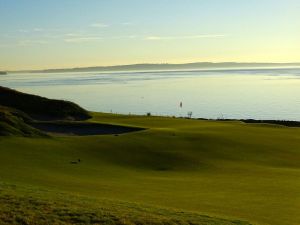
3	73
139	67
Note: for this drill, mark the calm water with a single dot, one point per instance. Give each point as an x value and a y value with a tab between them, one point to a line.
252	93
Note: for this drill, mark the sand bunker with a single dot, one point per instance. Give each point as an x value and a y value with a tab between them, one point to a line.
82	129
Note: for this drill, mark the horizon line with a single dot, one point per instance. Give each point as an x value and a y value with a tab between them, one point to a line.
136	64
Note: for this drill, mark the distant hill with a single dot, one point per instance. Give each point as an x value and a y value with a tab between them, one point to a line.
41	108
139	67
3	73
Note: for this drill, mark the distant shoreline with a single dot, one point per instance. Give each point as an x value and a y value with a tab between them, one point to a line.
286	123
166	67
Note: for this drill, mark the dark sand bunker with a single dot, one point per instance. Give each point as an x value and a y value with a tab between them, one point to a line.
82	129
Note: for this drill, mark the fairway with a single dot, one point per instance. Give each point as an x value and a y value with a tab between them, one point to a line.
175	169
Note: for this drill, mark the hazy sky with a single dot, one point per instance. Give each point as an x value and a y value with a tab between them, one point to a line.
70	33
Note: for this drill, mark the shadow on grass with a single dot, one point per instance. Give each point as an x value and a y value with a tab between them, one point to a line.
82	128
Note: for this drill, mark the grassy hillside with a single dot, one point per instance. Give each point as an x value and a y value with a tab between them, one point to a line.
41	108
174	172
15	123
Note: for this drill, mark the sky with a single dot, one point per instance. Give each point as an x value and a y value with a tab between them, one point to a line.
78	33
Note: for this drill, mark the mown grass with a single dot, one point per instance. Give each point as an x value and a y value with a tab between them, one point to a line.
29	205
227	170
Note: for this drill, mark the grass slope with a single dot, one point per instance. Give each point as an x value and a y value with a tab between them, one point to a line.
173	172
35	206
40	107
14	123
